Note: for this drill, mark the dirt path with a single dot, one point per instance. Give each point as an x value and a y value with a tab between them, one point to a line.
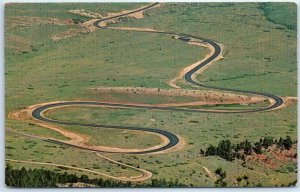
77	139
143	176
209	173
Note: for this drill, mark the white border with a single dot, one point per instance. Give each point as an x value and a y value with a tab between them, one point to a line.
3	188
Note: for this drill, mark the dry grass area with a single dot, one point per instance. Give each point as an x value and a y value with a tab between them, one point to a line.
199	97
290	100
69	33
17	22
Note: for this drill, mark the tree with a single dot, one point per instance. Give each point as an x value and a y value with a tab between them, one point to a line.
239	180
211	150
225	150
280	143
247	148
258	147
243	180
219	171
221	175
202	152
287	142
267	141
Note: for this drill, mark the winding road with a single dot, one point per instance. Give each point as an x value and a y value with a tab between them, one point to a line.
173	139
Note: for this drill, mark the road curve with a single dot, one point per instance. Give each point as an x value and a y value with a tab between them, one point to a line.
189	74
173	139
37	114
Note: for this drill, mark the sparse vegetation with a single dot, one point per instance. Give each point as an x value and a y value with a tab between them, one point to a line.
244	181
44	178
221	175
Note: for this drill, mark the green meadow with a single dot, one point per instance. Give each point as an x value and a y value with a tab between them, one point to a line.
259	55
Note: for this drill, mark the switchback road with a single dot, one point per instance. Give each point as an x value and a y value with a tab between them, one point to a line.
189	77
38	111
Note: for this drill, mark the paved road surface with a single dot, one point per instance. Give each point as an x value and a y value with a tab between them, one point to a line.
173	139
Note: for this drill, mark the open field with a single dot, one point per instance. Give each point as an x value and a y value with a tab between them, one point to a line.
189	124
129	69
72	74
35	151
250	40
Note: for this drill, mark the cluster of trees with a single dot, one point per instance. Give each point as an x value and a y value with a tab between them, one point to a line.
45	178
229	151
286	143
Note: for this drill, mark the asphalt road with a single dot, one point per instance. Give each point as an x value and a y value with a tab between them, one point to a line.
173	139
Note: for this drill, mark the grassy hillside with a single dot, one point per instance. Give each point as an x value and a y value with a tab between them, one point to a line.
281	13
259	55
256	49
60	10
65	70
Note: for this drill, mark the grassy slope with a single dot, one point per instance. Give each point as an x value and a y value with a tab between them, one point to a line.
199	131
21	148
45	11
75	66
91	61
59	10
256	50
21	62
281	13
106	137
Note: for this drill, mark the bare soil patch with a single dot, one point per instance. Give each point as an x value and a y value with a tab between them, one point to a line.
203	97
85	13
274	157
69	33
290	100
132	29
